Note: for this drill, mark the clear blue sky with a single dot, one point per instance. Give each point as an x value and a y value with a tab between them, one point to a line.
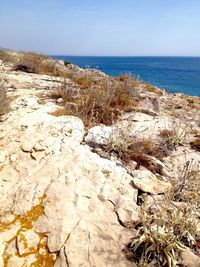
102	27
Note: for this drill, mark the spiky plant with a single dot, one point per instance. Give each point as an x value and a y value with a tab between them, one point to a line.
164	233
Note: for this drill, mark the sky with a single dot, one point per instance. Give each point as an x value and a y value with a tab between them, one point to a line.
102	27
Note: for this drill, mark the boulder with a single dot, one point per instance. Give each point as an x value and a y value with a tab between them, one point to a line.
147	182
100	135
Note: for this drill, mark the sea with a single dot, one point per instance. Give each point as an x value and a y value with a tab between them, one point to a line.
174	74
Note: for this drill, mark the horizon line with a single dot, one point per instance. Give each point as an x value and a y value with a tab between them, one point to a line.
73	55
118	55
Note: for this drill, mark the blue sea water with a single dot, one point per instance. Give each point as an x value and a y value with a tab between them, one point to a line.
174	74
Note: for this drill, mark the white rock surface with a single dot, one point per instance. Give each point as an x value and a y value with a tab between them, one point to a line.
136	125
27	242
99	135
2	156
81	194
147	182
189	259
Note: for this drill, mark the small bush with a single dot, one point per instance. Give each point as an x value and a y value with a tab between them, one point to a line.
130	84
5	56
102	105
83	82
169	139
65	92
124	77
186	185
35	63
172	225
26	68
4	100
151	88
142	151
176	136
163	234
60	112
190	101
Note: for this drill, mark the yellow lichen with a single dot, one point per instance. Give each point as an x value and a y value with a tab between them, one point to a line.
106	173
21	238
45	259
31	217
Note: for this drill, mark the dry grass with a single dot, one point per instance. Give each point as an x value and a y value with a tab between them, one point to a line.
102	105
130	84
142	151
176	135
35	63
169	139
139	84
171	226
186	185
59	112
151	88
4	100
65	92
163	234
83	81
5	56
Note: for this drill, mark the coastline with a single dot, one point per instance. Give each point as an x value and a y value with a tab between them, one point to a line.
174	74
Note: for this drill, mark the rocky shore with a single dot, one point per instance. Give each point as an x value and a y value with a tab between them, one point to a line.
72	193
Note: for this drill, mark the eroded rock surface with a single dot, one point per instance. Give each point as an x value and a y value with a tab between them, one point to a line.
61	204
56	196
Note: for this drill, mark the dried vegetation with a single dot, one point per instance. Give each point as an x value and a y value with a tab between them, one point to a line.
5	56
171	226
97	106
34	63
4	99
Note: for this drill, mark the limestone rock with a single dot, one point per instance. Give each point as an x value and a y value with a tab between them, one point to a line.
31	102
7	234
27	145
99	135
15	261
27	242
38	155
97	245
2	156
189	259
60	100
76	191
147	182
